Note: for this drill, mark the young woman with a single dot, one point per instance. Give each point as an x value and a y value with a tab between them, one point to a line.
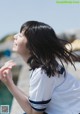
52	89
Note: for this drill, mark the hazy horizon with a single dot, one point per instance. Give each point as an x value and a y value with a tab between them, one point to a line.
62	17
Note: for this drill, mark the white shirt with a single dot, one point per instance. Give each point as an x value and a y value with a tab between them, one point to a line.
54	95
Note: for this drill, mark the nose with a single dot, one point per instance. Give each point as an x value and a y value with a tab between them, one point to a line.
15	36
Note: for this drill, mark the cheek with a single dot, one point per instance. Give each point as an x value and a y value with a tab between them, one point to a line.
22	47
22	43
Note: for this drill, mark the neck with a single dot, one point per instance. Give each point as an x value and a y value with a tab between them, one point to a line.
25	58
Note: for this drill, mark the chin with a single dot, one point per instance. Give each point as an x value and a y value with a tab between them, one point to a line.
13	49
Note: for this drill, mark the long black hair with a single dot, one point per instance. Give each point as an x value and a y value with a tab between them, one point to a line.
46	49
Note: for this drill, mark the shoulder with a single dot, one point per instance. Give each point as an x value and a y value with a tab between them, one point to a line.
39	73
40	77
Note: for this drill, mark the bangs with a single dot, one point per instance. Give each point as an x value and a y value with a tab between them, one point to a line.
24	28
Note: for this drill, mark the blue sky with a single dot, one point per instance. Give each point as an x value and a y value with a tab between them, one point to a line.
62	17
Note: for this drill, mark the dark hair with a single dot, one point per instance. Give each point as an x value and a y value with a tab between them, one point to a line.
46	49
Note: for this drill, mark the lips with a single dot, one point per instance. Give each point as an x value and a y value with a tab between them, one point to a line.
14	43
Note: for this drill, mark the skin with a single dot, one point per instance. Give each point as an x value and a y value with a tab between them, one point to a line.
19	46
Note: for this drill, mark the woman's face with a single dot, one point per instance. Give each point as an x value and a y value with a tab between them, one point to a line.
19	44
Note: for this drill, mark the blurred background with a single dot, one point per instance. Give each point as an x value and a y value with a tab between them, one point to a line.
64	18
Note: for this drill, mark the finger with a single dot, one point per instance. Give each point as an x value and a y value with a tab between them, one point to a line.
11	65
4	68
9	61
0	74
8	65
4	75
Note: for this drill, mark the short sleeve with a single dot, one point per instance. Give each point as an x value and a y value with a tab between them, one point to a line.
41	89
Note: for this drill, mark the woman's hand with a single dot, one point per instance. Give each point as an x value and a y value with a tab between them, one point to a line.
6	74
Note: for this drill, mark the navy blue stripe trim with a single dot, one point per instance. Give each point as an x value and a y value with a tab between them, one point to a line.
40	102
62	70
38	109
